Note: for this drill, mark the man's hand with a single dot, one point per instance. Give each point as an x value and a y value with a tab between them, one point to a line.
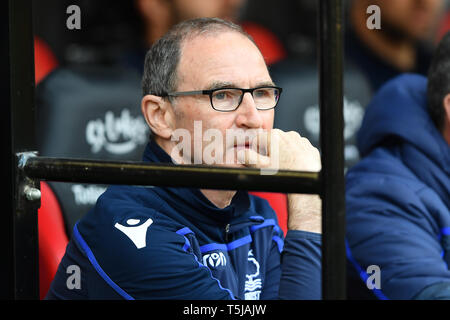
290	151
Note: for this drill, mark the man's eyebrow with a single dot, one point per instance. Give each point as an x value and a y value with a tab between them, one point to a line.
220	85
266	84
226	84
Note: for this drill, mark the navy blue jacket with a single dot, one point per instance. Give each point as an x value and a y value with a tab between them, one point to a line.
173	243
398	197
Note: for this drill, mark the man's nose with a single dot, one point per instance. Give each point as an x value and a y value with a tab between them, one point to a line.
248	116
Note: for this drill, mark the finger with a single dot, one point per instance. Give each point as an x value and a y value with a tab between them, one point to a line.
252	159
265	139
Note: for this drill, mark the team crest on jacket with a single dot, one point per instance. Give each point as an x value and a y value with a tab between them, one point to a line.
253	284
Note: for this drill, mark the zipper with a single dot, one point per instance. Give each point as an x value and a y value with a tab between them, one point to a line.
227	231
242	224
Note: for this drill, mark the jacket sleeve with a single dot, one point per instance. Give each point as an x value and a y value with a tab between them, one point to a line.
390	226
165	268
301	267
436	291
298	276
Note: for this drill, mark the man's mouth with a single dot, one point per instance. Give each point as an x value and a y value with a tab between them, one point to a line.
245	145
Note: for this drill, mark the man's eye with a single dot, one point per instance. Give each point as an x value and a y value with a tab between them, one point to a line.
220	95
262	93
223	95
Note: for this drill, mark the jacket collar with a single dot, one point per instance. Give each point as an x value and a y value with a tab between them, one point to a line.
191	201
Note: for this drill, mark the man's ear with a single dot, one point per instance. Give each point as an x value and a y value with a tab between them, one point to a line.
158	115
446	125
447	106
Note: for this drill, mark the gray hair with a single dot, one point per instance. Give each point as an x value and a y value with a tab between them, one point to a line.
161	61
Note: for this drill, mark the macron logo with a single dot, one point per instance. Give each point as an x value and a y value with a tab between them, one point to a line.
137	234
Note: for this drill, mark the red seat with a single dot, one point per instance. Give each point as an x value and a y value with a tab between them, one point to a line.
444	27
52	235
52	238
44	59
278	202
270	46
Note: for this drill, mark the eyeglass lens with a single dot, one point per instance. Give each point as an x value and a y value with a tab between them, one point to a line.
229	99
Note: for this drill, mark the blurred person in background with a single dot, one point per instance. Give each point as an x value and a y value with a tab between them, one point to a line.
398	196
159	15
400	45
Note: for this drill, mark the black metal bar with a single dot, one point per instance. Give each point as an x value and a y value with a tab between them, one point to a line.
157	174
332	146
23	213
6	227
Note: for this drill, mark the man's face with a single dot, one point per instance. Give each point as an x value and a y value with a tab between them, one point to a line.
220	60
411	18
190	9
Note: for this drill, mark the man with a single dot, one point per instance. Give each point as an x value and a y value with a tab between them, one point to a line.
398	196
400	43
158	16
183	243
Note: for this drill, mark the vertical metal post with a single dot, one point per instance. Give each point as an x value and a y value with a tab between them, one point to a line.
332	146
22	259
6	235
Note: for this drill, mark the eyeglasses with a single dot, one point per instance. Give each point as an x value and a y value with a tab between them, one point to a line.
229	99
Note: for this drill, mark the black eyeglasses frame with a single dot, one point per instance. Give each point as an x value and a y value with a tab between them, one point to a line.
211	91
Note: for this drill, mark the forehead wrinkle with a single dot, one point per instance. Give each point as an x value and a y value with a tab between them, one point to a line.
217	71
229	84
189	64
